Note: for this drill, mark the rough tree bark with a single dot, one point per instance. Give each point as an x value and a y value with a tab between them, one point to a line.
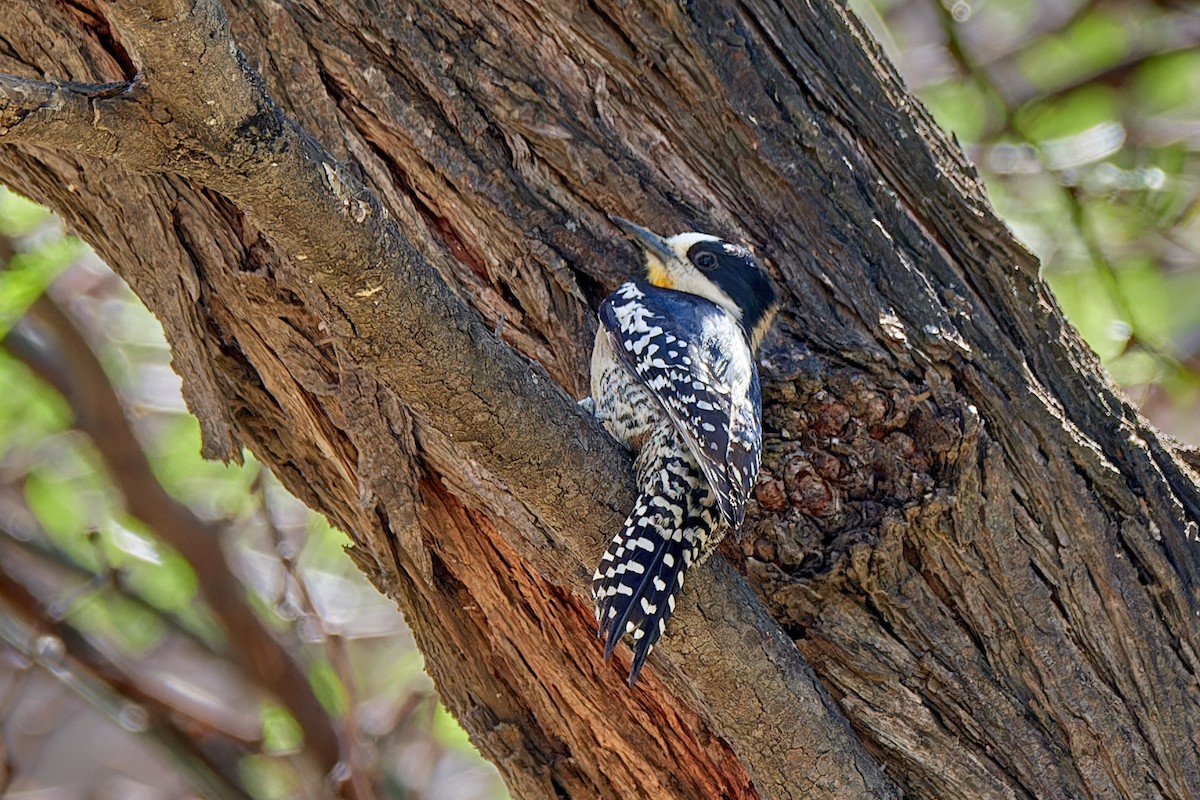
972	568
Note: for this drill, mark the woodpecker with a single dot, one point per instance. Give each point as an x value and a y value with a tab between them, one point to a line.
673	377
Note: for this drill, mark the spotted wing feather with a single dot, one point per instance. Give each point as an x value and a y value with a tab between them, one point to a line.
694	357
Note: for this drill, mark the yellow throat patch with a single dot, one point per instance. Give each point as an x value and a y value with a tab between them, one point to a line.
657	273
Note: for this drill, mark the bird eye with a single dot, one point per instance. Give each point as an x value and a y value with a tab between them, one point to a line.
705	261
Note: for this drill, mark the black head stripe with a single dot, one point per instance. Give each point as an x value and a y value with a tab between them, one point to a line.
731	255
739	275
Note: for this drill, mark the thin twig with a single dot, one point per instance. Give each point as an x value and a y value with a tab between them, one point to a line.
333	643
8	701
53	557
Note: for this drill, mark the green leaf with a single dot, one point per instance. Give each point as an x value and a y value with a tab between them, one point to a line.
1068	115
281	733
55	503
122	621
30	411
211	488
164	579
961	107
449	732
1094	43
328	688
1168	83
19	216
269	778
28	275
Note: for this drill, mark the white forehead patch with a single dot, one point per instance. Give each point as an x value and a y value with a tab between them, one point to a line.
681	243
686	278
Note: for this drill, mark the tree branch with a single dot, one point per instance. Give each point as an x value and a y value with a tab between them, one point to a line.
398	321
928	624
104	120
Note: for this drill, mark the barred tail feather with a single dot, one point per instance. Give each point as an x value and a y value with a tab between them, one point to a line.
640	574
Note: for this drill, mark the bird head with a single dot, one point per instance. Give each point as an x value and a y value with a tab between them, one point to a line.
702	264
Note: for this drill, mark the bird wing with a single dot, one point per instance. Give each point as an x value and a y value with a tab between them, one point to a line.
693	356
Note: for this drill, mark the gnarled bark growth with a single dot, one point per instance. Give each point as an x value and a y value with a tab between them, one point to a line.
973	561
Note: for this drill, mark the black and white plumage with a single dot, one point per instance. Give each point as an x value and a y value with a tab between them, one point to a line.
673	376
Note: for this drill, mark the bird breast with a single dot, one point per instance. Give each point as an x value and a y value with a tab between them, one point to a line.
625	407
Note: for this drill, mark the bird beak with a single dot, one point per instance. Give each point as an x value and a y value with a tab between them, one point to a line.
649	241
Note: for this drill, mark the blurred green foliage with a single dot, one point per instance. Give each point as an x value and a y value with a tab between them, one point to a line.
1084	121
27	275
137	598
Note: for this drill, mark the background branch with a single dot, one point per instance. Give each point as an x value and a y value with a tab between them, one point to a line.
63	652
49	344
34	545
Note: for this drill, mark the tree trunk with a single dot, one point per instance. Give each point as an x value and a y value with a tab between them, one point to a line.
974	563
